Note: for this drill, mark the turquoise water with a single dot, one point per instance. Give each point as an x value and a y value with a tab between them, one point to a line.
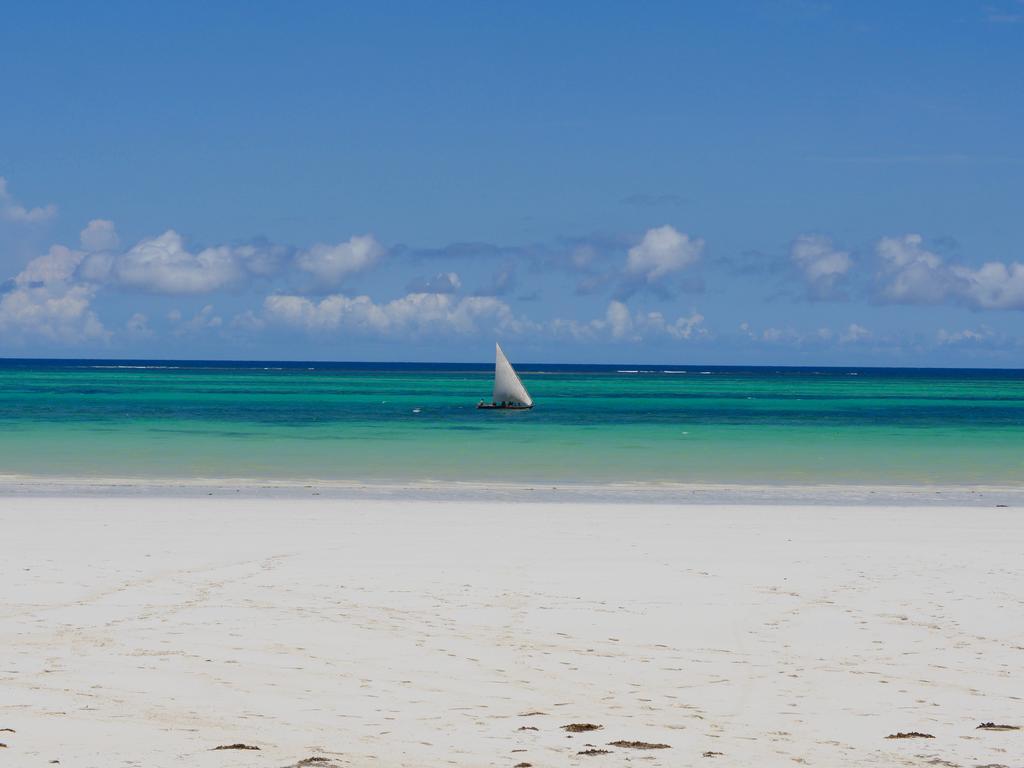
359	422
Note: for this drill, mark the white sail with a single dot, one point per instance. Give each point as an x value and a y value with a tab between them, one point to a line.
507	386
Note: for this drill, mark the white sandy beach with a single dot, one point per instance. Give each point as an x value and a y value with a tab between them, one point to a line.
147	631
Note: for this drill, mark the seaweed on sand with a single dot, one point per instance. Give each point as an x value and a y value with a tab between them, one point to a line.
235	746
581	727
910	735
638	745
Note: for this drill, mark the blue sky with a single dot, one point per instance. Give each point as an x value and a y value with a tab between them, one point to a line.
784	182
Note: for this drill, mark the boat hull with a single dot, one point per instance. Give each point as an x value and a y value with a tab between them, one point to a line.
495	407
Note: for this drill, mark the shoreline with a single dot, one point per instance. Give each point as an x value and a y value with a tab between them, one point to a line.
831	494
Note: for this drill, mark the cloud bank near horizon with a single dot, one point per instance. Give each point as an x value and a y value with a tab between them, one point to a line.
622	290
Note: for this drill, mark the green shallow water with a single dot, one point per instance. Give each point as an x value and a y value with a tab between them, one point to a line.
357	422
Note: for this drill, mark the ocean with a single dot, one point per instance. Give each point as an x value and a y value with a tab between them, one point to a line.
399	422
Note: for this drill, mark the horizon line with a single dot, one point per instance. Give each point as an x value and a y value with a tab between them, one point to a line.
519	365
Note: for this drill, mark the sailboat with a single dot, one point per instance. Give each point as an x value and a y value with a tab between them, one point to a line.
509	392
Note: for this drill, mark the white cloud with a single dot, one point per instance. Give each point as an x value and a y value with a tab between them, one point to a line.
913	274
261	260
681	328
56	266
420	313
248	321
99	235
821	264
583	256
331	264
662	251
502	283
443	282
163	265
11	210
994	285
788	335
619	324
204	320
619	320
964	336
57	313
96	267
138	326
411	314
47	303
854	333
774	335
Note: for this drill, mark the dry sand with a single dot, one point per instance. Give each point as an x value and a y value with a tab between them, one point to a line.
148	631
